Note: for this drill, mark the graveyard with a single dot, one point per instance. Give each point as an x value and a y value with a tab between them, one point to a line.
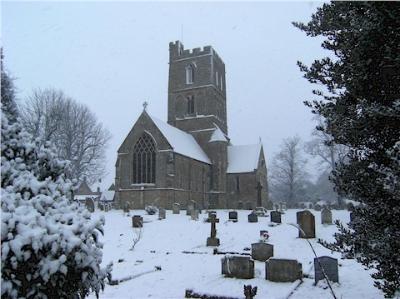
170	256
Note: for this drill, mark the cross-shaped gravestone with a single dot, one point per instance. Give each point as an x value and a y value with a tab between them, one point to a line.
213	240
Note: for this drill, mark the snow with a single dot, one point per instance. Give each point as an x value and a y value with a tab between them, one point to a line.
181	142
218	135
243	158
163	241
107	195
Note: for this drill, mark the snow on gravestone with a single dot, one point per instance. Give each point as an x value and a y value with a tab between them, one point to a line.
262	251
194	214
161	213
233	216
275	216
176	208
326	216
238	267
283	270
330	266
306	221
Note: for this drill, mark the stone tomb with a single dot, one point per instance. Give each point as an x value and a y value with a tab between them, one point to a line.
176	208
89	204
238	267
252	218
233	216
161	213
326	216
275	216
306	221
283	270
262	251
137	221
330	266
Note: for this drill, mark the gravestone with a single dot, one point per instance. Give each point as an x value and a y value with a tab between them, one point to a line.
233	216
213	240
326	216
275	216
189	209
89	203
176	208
137	221
330	266
161	213
317	207
194	215
262	251
264	235
209	215
252	218
306	221
283	270
238	267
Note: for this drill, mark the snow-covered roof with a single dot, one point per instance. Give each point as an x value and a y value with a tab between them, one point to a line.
243	158
218	135
83	197
181	142
107	195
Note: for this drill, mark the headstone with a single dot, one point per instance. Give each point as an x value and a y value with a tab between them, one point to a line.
264	235
275	216
317	207
283	270
89	203
137	221
306	221
238	267
233	216
189	209
262	251
326	216
211	213
252	218
213	240
330	266
194	215
176	208
161	213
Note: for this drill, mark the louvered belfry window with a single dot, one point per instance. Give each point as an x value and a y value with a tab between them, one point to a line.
144	161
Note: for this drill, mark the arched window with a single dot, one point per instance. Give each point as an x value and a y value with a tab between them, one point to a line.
189	74
144	161
190	105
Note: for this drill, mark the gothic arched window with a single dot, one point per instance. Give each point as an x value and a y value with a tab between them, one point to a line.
190	105
189	74
144	160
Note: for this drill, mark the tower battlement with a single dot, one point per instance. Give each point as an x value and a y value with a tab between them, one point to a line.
177	51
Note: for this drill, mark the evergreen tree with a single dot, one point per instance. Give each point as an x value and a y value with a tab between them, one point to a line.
361	108
49	246
7	92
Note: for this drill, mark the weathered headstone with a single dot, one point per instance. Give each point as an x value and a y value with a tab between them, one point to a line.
317	207
275	216
137	221
194	215
262	251
264	235
326	216
213	240
189	209
233	216
283	270
306	221
89	203
161	213
176	208
330	266
238	267
209	215
252	218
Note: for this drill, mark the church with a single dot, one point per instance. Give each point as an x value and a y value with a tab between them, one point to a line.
190	158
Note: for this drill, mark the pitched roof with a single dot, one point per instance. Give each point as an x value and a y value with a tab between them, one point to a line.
182	143
218	135
243	158
84	189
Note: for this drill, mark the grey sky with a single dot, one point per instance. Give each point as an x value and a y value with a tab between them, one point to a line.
113	56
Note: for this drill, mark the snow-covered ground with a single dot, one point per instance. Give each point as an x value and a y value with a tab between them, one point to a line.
163	242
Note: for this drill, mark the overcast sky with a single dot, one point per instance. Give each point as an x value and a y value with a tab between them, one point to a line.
113	56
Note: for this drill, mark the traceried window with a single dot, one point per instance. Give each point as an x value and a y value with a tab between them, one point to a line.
189	74
190	105
144	161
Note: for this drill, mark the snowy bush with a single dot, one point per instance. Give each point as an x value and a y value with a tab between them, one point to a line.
151	210
50	245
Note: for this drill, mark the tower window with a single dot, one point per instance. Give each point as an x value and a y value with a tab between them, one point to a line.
189	74
144	161
190	104
216	78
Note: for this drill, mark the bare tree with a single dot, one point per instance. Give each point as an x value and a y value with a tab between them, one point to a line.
79	137
288	175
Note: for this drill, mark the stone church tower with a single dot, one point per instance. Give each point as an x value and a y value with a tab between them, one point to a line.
190	159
